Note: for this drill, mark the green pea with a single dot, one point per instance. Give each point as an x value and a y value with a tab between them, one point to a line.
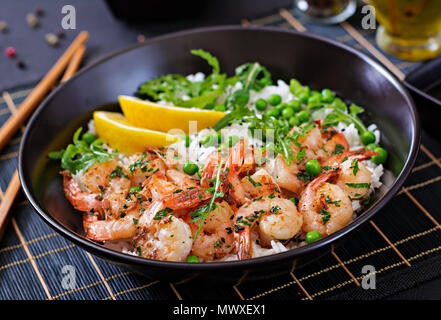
372	146
381	157
192	259
303	116
199	172
274	99
304	94
313	167
281	107
294	121
315	98
209	140
220	107
190	168
295	105
313	236
327	95
233	140
368	137
272	113
88	137
287	113
261	104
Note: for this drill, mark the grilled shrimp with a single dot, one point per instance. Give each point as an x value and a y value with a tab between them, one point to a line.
215	239
239	161
325	207
81	200
354	178
277	219
286	176
168	156
144	165
319	143
110	182
167	239
180	179
258	184
102	230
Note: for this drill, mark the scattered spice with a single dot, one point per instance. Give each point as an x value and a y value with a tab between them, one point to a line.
10	52
32	20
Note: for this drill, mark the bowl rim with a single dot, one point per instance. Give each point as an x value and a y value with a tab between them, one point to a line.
120	257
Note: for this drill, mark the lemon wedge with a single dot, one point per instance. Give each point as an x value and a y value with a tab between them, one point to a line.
114	129
154	116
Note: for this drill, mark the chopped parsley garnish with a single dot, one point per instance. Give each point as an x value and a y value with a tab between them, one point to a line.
325	215
338	149
359	185
217	243
118	173
275	209
162	213
254	183
304	176
335	203
354	166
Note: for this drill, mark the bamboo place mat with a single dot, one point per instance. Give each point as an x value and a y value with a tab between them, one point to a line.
403	241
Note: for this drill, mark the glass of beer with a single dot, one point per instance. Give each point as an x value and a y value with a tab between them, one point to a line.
325	11
410	29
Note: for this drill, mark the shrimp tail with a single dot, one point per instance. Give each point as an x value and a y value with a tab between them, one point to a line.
322	179
82	201
243	245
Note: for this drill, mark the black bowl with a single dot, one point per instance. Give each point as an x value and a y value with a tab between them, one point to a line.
312	59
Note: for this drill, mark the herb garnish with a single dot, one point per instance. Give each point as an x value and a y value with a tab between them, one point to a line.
162	213
80	155
354	167
325	215
358	185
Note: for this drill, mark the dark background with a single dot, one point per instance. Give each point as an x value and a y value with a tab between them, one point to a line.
108	34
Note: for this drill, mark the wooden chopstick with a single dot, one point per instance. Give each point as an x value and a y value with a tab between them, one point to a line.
14	184
16	120
74	64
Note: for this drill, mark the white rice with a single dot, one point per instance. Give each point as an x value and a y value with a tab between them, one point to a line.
197	153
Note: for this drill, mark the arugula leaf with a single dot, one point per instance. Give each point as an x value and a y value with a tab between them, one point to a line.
79	156
173	87
339	115
253	76
211	60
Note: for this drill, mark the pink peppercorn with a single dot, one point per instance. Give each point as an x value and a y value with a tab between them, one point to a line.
10	52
